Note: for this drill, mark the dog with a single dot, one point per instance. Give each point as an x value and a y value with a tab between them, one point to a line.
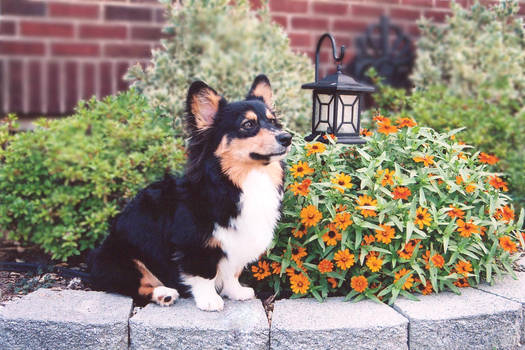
192	236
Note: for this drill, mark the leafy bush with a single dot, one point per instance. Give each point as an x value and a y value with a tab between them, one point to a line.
411	211
62	183
226	44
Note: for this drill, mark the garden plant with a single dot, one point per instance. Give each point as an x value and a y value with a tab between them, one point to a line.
412	211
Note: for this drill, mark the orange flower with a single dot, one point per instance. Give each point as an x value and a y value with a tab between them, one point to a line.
316	147
463	267
505	214
359	283
325	266
498	183
406	252
342	220
438	260
426	289
290	272
299	232
462	283
333	282
456	212
426	159
406	122
365	200
298	253
261	271
426	257
329	136
310	216
301	169
386	234
386	128
276	268
401	193
366	132
470	188
488	158
332	235
461	156
387	176
507	244
344	259
459	180
422	217
301	188
410	280
374	263
368	239
342	181
466	229
299	284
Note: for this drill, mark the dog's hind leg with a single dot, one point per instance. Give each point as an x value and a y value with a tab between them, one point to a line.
152	289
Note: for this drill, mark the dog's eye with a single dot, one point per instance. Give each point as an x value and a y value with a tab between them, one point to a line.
248	124
273	121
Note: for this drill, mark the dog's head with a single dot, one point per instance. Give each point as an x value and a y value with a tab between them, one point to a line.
242	135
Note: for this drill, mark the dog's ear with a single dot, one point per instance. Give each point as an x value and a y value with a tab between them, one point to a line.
261	88
202	105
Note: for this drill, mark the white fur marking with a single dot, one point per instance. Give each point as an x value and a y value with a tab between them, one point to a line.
204	293
160	293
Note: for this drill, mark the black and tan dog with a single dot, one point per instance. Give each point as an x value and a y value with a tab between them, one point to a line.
194	235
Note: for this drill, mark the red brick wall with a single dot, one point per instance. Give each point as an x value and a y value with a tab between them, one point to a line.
53	53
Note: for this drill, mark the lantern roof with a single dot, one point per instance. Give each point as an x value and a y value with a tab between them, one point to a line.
339	82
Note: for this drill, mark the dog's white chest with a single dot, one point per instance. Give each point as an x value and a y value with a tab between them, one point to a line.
250	233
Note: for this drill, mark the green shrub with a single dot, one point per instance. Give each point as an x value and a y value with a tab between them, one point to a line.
62	183
411	211
226	45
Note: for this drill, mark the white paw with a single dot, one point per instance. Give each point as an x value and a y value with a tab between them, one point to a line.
240	293
164	296
212	302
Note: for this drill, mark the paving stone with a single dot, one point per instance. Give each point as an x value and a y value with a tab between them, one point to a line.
511	289
335	324
68	319
241	325
472	320
521	262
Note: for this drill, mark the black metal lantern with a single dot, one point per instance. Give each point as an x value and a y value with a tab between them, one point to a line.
337	101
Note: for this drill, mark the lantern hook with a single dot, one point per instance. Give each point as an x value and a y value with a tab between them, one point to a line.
338	59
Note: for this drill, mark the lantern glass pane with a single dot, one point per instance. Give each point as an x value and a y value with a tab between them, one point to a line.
323	110
348	114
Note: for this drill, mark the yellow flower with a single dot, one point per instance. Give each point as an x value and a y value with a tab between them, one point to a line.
422	217
387	176
410	280
365	200
344	259
261	271
342	181
316	147
359	283
299	284
310	216
427	160
276	268
298	253
301	169
342	220
374	263
386	234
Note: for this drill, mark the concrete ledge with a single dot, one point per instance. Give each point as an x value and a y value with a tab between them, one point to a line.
511	289
473	320
334	324
68	319
241	325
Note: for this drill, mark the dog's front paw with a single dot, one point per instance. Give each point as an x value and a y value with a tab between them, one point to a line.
164	296
240	293
212	302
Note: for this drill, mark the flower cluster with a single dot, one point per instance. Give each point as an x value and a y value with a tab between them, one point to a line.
411	211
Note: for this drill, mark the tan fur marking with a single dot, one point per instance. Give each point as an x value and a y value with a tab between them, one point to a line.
269	115
148	281
265	91
251	115
213	243
204	106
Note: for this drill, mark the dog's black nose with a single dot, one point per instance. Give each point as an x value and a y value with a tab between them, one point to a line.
284	139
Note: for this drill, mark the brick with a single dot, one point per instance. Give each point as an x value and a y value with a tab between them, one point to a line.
160	15
330	8
281	20
446	3
71	92
309	23
53	88
288	6
75	49
146	33
15	94
300	39
46	29
436	16
241	325
127	50
88	81
35	88
21	48
126	13
406	14
472	320
22	7
67	319
105	79
350	25
3	109
421	3
122	68
61	9
96	31
7	27
368	11
308	324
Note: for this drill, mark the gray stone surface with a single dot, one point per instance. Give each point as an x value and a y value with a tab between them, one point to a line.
521	262
472	320
334	324
511	289
68	319
241	325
